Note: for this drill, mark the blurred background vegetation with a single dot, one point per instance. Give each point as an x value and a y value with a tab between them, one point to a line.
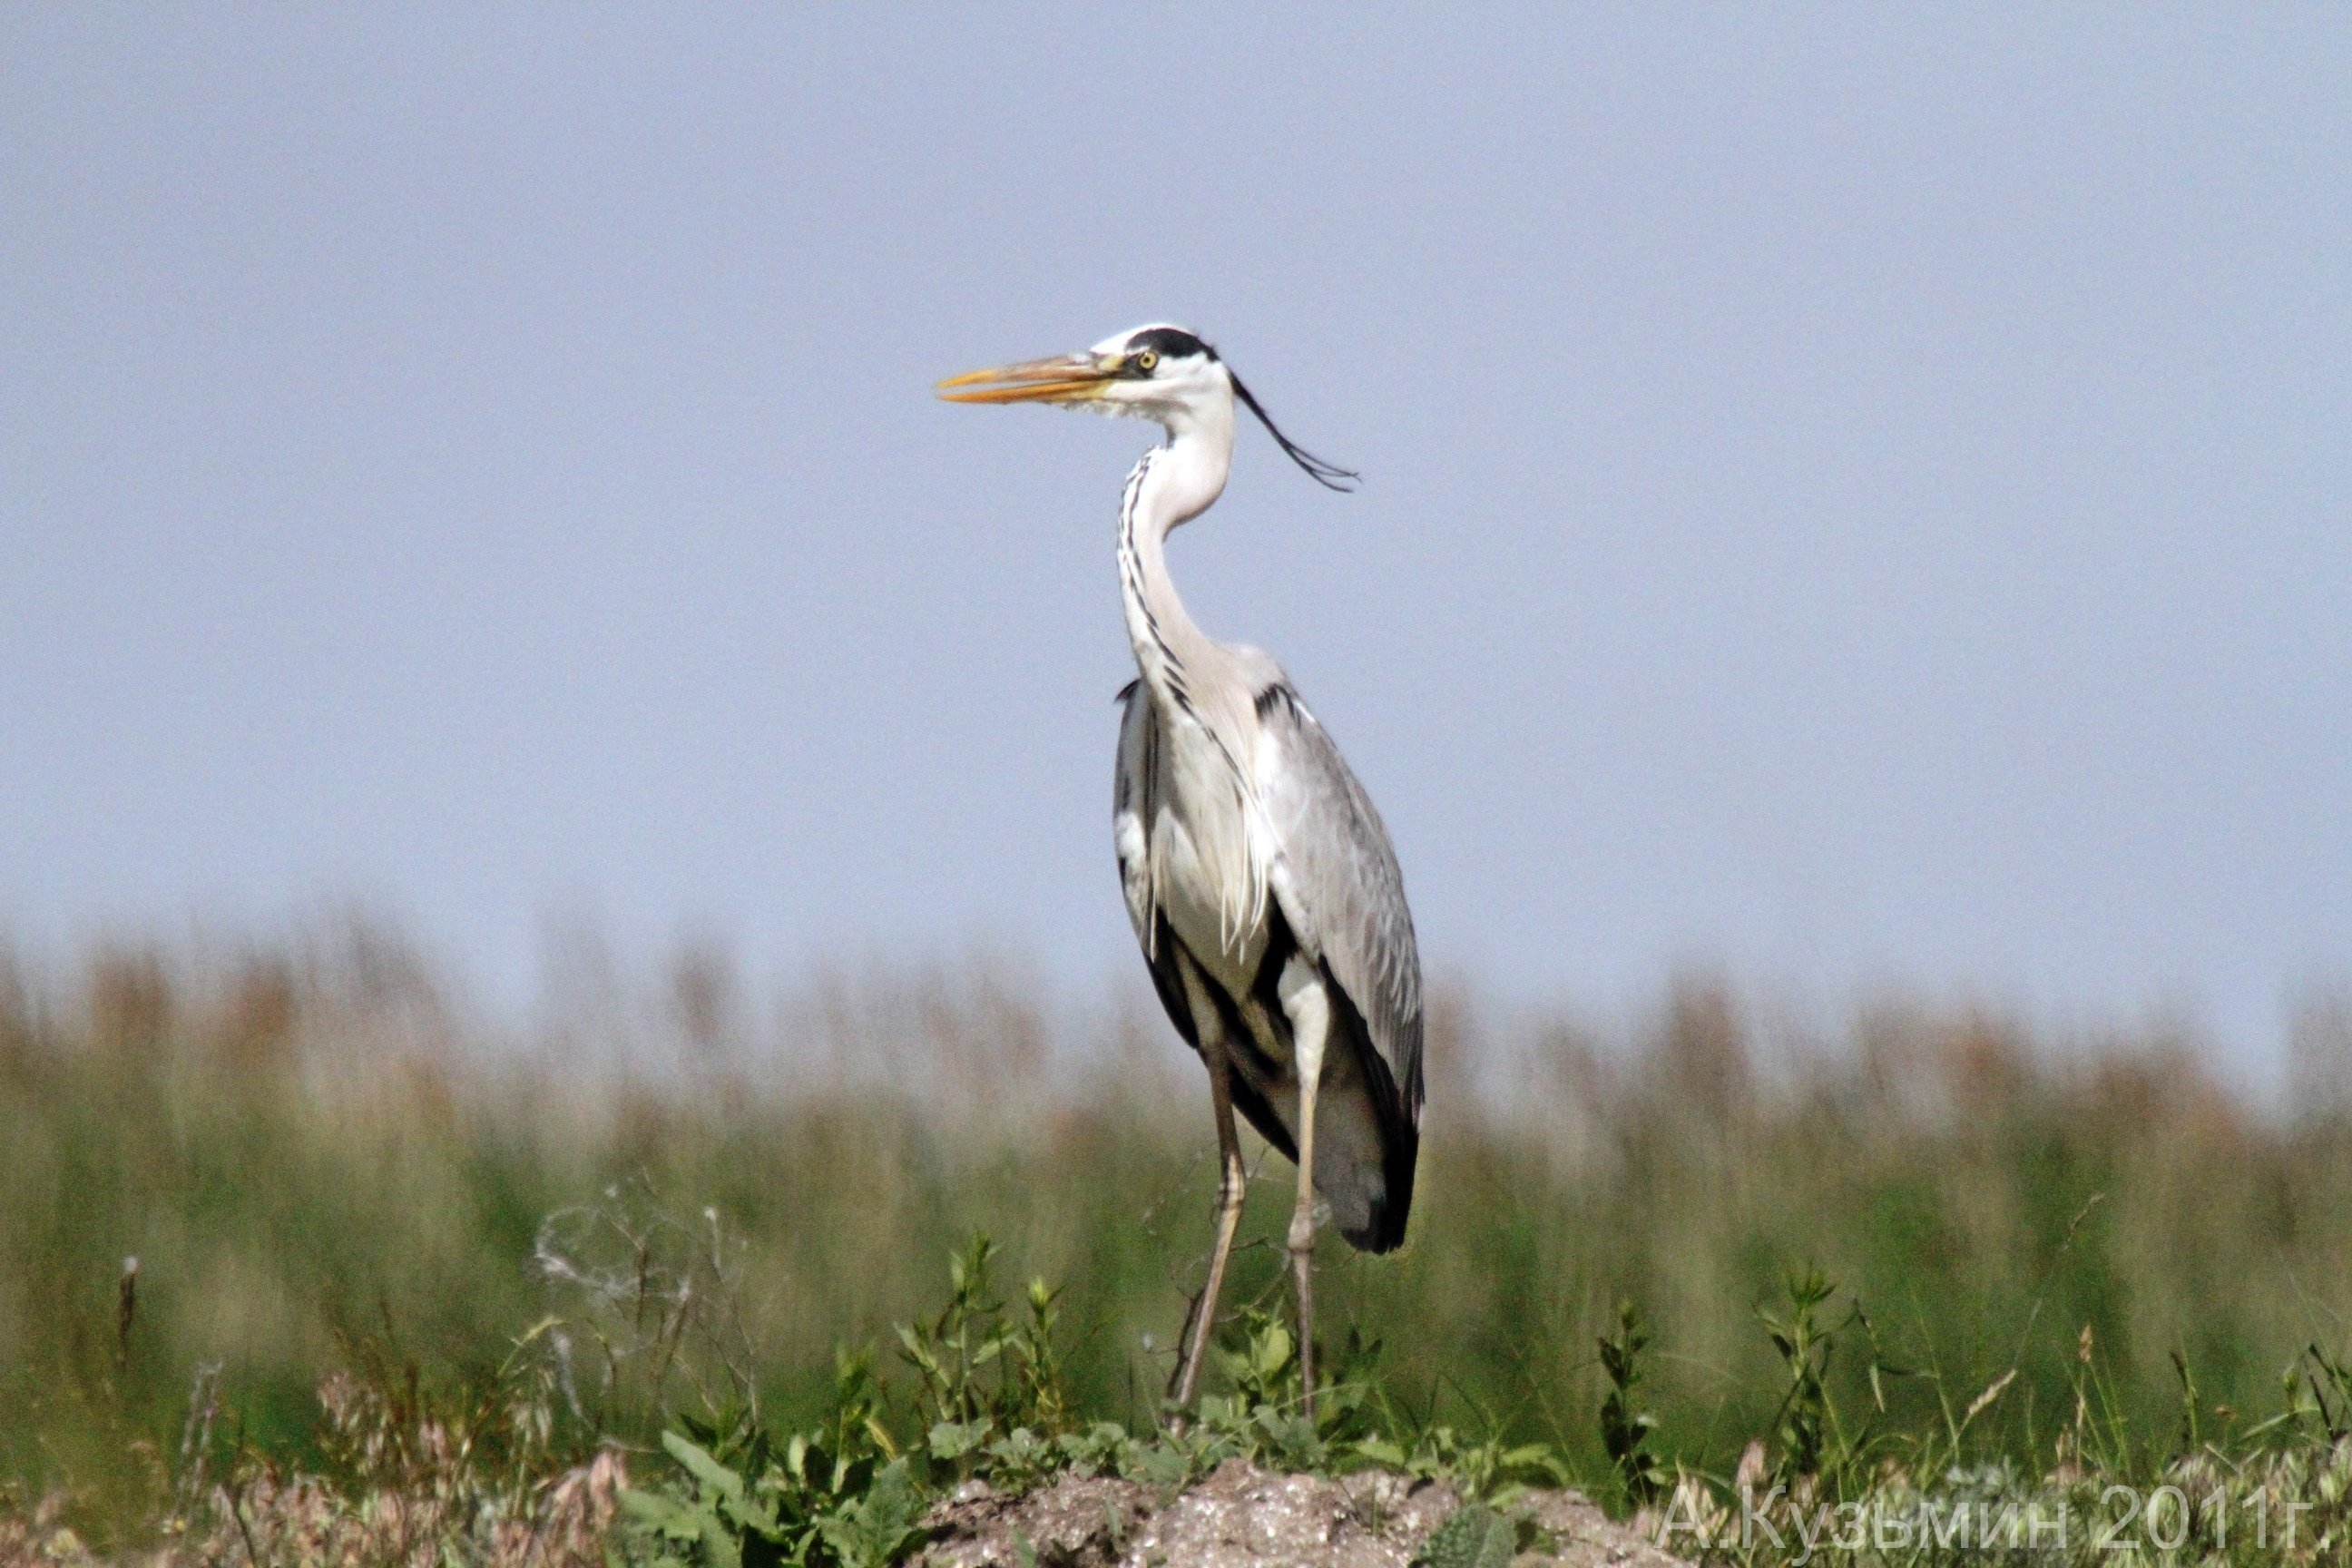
318	1155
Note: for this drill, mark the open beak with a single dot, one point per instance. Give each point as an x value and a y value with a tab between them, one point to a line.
1071	378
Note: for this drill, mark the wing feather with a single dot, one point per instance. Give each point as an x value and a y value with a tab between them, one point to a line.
1337	881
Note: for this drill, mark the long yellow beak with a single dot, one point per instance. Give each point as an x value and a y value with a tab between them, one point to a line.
1071	378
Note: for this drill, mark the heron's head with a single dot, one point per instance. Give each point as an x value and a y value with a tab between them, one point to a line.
1161	372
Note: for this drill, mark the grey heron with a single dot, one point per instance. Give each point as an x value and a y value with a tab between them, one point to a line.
1261	883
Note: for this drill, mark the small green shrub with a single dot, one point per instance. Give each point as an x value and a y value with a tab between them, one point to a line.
1624	1427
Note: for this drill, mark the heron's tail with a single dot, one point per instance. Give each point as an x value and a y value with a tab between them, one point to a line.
1398	1118
1383	1229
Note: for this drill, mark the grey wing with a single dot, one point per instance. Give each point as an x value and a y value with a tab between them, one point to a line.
1132	809
1338	885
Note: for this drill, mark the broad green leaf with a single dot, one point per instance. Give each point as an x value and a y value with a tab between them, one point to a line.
1475	1536
698	1463
954	1439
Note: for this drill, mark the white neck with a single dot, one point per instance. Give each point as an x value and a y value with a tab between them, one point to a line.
1173	484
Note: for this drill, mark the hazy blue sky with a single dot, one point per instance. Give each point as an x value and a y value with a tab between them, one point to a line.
1856	494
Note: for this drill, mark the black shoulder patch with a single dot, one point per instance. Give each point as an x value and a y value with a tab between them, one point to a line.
1274	697
1173	342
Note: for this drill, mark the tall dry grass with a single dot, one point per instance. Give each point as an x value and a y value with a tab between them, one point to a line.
318	1155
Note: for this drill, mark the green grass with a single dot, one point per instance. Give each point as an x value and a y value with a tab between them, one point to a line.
322	1163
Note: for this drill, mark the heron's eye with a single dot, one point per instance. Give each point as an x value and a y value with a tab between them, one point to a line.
1148	361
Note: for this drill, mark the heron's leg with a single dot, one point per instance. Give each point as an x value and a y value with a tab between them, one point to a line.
1310	1020
1231	1184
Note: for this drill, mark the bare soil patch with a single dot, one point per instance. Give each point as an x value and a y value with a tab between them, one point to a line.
1241	1516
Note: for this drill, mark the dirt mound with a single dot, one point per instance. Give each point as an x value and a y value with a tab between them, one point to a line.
1243	1515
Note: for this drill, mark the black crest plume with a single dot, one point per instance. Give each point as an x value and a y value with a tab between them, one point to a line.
1328	475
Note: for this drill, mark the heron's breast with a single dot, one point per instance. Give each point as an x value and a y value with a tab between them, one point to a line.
1202	853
